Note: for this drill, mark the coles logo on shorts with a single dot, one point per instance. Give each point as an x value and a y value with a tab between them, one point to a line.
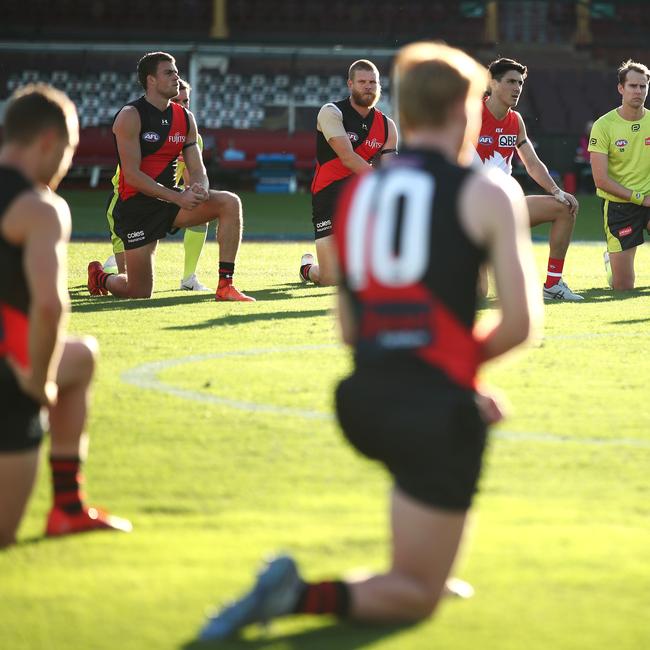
621	143
485	139
353	137
624	232
138	235
150	136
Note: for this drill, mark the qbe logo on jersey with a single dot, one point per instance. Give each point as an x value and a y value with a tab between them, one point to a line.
508	141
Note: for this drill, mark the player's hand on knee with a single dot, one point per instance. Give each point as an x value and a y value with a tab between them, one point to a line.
43	392
568	199
200	191
188	199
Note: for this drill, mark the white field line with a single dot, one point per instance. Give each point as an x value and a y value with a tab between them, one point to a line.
146	376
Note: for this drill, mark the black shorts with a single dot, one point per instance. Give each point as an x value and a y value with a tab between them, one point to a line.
323	206
428	434
21	427
624	225
143	219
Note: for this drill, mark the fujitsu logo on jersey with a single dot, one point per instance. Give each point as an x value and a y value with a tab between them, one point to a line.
176	138
373	144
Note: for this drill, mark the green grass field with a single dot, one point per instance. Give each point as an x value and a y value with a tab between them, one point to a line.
225	450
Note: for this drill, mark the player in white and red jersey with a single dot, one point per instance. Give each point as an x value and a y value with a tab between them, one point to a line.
502	131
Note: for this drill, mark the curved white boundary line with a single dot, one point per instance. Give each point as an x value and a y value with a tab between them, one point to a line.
146	376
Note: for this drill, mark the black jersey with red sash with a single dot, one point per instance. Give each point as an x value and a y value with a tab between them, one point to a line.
367	135
162	137
14	291
409	268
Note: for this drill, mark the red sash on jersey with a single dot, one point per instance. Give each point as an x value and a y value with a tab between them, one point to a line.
154	164
335	170
14	328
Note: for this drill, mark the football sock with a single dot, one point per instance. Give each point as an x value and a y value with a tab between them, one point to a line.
226	271
554	273
304	271
66	483
193	241
324	598
102	276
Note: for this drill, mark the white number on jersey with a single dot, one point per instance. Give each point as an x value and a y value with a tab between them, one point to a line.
376	222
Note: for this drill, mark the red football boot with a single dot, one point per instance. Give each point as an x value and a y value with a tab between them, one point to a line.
94	288
60	522
227	292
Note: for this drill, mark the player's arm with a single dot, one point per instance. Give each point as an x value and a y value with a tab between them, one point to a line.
603	181
197	177
495	216
346	321
390	148
330	123
538	171
43	228
343	149
127	133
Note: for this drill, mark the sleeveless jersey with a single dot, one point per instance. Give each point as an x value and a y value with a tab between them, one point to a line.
498	139
409	268
14	291
178	175
162	137
367	135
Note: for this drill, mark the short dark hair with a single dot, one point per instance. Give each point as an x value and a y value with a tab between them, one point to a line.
148	65
35	108
362	64
629	65
184	85
499	67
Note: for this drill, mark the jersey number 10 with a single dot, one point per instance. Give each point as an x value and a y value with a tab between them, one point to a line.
388	228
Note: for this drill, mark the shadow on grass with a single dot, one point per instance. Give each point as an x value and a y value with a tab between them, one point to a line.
236	319
83	302
602	294
338	636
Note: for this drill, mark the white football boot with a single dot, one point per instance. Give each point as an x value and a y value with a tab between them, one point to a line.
561	291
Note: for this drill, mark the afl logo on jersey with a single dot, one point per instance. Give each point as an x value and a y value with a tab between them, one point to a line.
507	140
621	143
353	137
150	136
485	139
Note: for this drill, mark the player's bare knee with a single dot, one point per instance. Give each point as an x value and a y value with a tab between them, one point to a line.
229	205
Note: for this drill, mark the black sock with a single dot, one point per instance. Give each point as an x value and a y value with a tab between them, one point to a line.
66	483
304	271
226	270
324	598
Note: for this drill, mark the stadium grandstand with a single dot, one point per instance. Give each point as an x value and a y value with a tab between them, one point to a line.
261	70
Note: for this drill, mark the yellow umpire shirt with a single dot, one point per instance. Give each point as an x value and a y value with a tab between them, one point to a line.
627	147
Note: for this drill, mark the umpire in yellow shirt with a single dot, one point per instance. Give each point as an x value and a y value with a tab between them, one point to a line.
620	163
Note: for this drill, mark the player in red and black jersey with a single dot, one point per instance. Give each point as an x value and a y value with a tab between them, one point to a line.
410	239
350	135
42	371
502	131
150	134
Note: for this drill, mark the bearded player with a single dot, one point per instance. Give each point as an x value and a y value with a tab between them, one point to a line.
502	131
350	135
